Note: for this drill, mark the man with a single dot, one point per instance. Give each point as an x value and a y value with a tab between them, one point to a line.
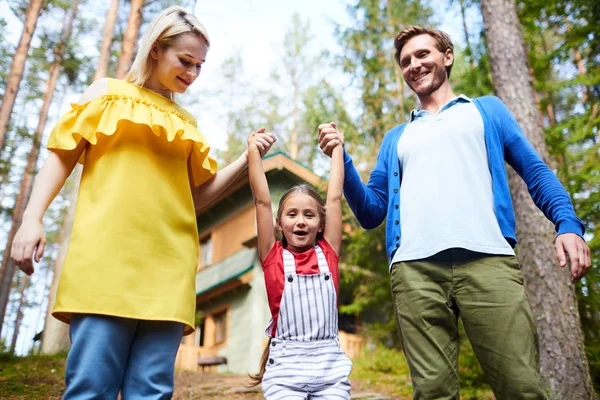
441	185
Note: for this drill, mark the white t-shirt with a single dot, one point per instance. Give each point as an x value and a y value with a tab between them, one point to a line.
446	198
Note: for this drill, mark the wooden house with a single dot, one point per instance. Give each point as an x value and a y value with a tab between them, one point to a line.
232	307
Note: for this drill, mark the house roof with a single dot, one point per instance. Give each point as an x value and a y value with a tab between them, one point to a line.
274	162
226	271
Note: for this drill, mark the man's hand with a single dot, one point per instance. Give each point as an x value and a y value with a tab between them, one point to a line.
572	245
329	137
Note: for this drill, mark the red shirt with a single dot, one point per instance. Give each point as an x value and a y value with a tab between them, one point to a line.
306	264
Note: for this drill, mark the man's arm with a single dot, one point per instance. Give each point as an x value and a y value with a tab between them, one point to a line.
367	201
548	194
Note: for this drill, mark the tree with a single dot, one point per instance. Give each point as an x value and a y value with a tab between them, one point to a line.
7	268
562	359
130	38
107	39
16	71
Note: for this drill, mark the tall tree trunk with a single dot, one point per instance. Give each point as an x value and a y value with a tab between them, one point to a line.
19	317
55	337
18	65
562	359
107	39
130	37
7	269
397	73
294	135
581	69
468	49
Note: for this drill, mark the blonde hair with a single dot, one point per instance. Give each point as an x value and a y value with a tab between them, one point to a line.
163	30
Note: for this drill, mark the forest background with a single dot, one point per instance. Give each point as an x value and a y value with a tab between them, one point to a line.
289	66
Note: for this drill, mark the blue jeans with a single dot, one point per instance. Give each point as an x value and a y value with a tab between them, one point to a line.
112	354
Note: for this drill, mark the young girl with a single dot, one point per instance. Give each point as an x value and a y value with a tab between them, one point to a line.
301	276
127	287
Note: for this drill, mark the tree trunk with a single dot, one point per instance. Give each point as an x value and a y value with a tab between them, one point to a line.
107	39
18	65
55	337
130	37
19	316
563	362
397	73
7	269
468	50
294	135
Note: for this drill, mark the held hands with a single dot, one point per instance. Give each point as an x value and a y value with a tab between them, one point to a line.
261	141
329	137
578	251
29	237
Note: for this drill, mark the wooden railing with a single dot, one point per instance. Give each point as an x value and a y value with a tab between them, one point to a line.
352	345
187	357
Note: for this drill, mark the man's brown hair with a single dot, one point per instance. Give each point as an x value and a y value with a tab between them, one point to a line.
442	40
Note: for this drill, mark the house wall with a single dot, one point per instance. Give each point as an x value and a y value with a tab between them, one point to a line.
228	236
247	320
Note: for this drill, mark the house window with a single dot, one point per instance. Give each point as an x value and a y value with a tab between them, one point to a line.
206	252
220	326
199	339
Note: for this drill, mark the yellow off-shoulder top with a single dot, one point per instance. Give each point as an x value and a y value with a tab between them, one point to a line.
134	245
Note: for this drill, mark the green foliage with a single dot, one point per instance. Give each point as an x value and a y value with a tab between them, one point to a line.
593	355
385	369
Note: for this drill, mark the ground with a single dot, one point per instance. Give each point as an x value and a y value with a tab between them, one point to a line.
193	386
380	375
42	378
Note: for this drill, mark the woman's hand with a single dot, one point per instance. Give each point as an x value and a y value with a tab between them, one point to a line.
29	238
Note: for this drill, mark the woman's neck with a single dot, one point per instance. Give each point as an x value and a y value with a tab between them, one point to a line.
153	84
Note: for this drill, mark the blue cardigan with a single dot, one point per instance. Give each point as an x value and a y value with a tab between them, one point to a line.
504	140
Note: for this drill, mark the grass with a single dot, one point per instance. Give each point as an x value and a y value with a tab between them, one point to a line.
386	370
32	377
383	370
380	369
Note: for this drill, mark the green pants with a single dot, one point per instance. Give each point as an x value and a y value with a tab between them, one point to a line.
487	293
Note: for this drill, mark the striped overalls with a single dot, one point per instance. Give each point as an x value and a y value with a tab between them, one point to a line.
305	357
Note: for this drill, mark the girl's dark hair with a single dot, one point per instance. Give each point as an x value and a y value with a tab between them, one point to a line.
312	192
256	379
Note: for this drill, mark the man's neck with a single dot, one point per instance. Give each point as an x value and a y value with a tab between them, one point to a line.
436	100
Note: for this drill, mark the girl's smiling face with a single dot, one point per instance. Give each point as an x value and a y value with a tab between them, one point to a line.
177	66
300	221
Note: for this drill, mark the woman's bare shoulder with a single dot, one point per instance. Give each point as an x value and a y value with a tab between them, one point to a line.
96	90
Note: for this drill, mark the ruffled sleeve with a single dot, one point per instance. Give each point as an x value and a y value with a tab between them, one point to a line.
102	116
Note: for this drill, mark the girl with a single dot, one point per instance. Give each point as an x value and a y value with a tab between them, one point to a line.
301	276
127	287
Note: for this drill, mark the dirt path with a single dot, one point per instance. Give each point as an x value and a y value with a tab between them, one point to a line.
196	386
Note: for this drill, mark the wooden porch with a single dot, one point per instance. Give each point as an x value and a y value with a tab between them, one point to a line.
188	354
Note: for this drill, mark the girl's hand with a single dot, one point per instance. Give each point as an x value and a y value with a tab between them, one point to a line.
261	141
29	237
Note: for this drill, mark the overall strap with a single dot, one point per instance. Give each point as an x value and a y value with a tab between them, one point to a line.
323	266
289	264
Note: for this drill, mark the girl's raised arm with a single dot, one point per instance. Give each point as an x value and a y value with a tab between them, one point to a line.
262	199
333	206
